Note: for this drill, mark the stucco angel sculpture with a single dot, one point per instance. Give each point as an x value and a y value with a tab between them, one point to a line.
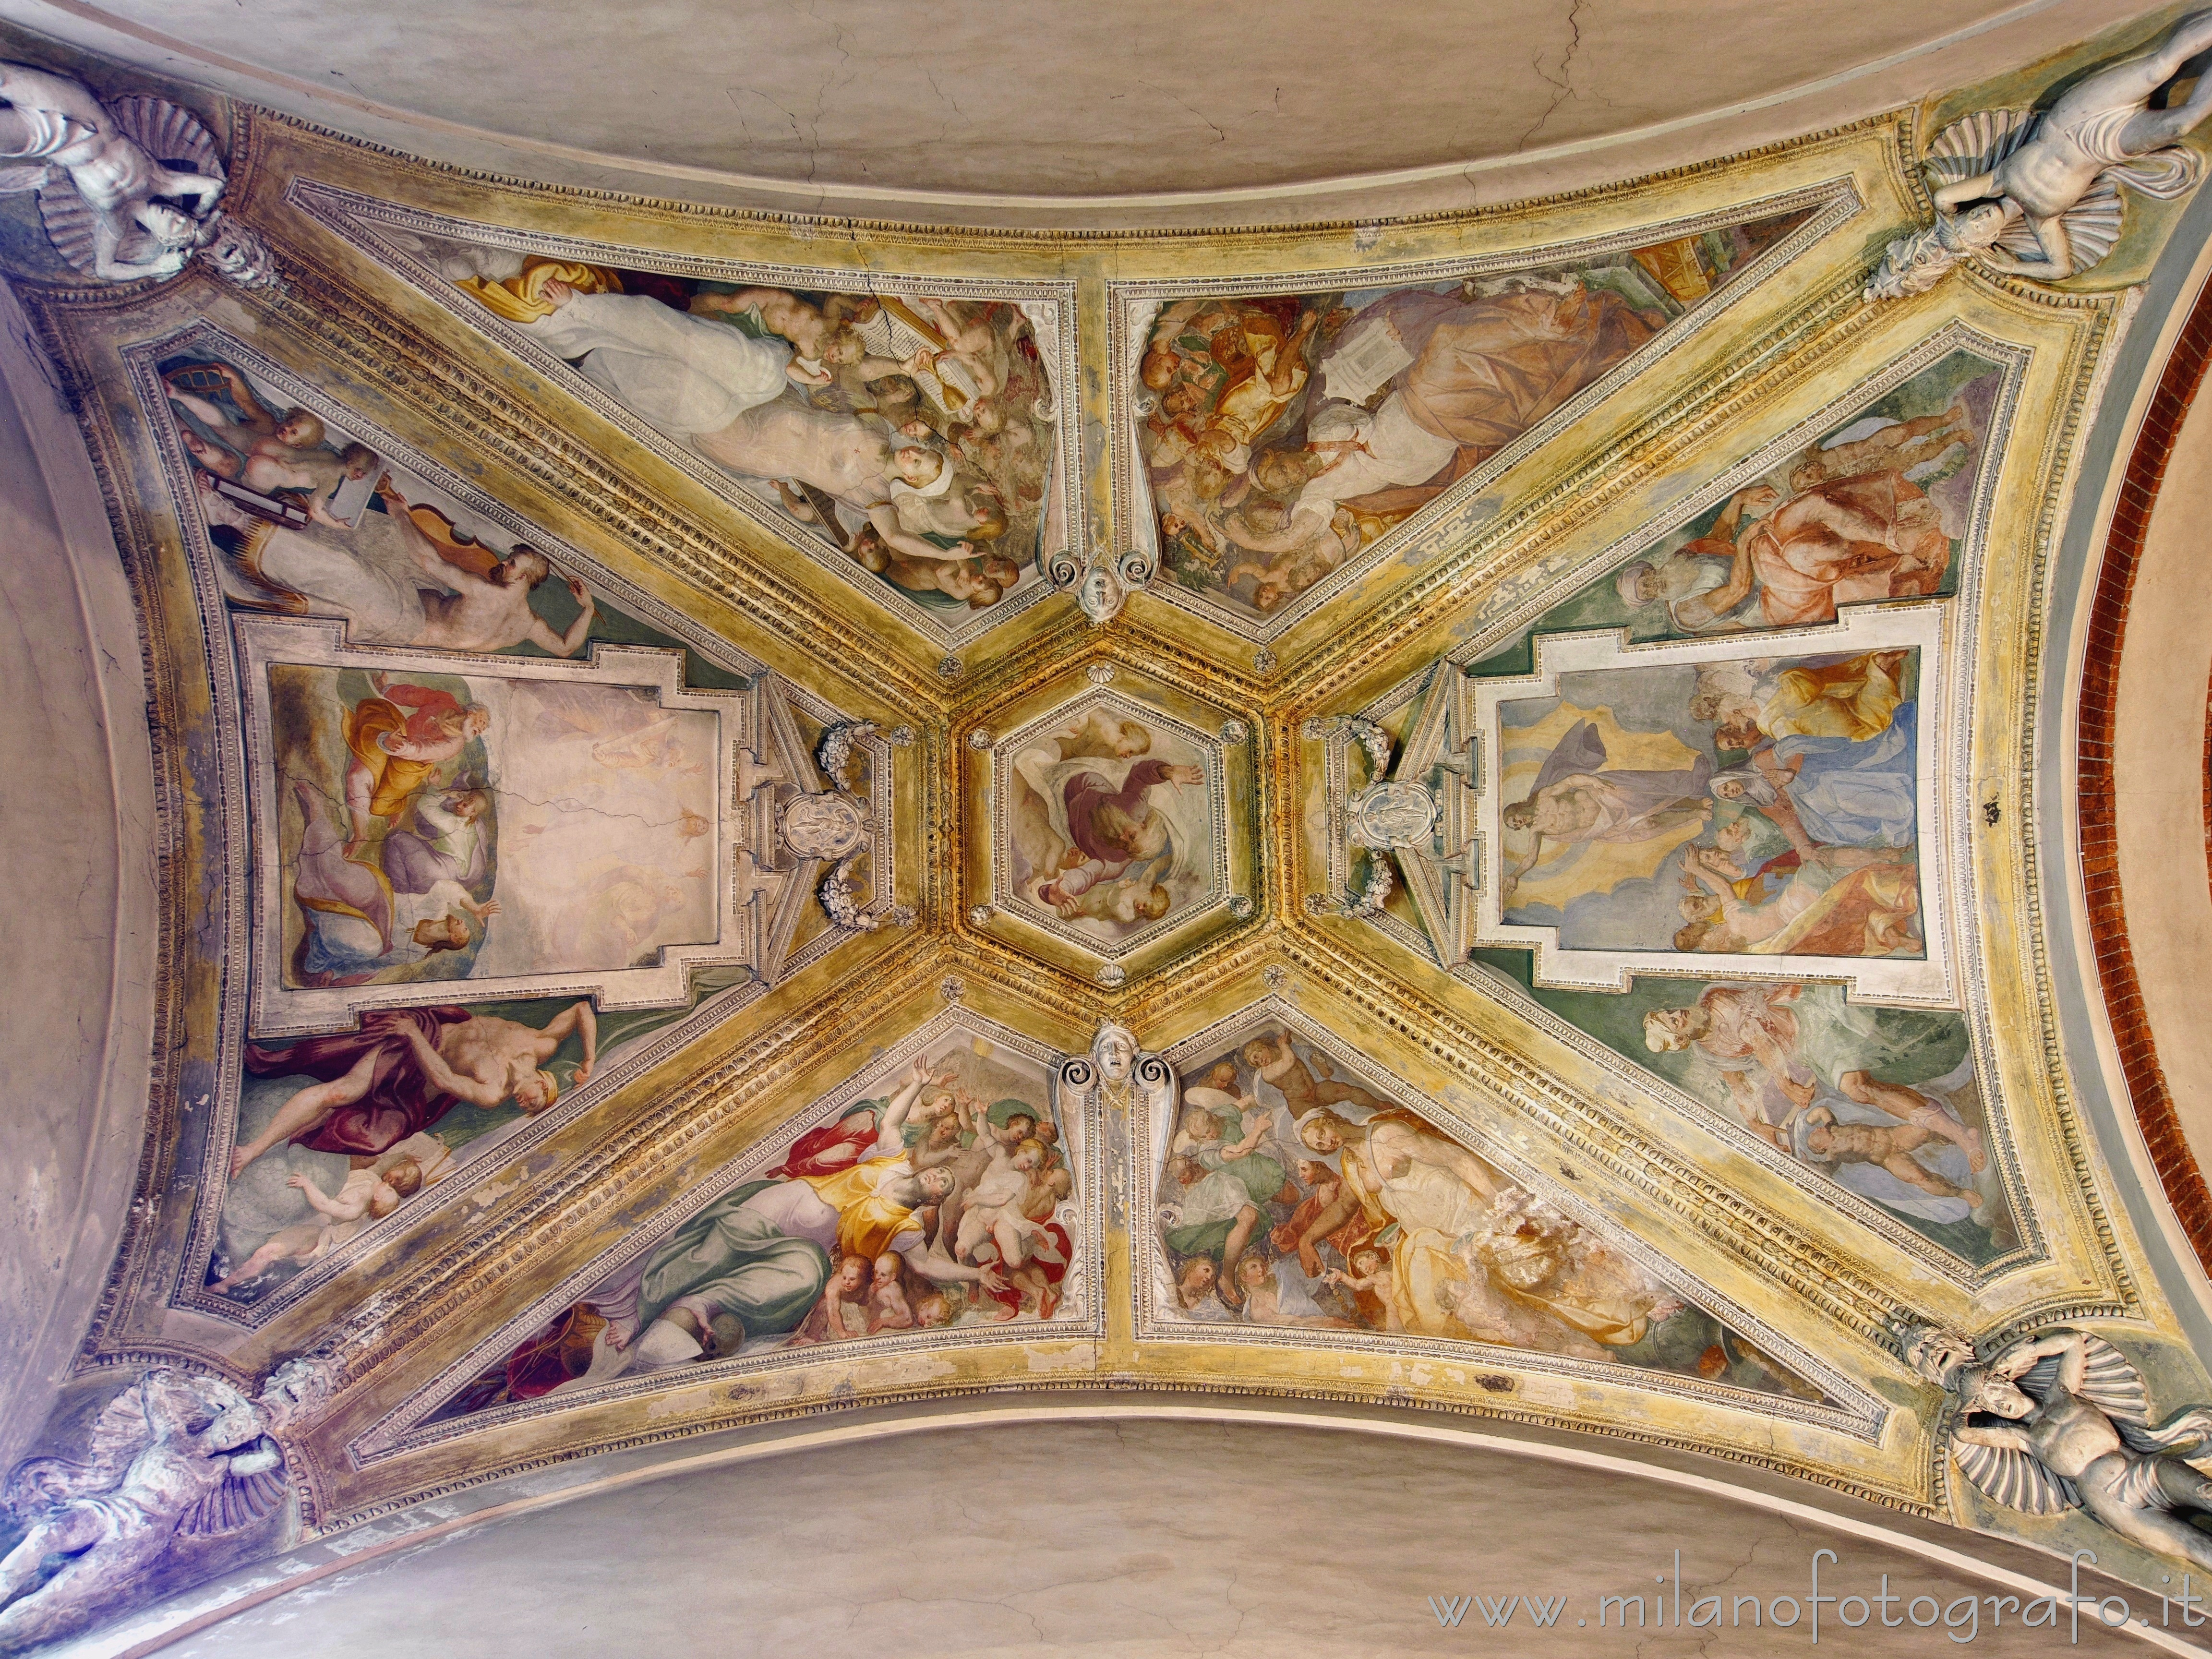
171	1460
2062	1421
110	207
2036	195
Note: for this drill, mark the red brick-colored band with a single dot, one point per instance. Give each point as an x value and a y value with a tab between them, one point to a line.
2177	1169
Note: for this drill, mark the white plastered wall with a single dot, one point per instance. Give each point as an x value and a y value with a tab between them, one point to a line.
78	922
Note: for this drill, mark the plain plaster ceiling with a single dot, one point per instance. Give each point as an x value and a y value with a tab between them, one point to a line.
1142	99
1144	1539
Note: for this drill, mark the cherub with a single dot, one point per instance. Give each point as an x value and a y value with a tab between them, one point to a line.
1279	1063
820	345
972	350
1374	1286
842	1312
994	1209
49	121
1100	735
937	1309
977	583
1132	903
1200	1132
1219	1093
266	451
887	1304
369	1193
1891	1148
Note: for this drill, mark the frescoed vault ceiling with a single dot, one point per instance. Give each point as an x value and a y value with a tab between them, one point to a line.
762	816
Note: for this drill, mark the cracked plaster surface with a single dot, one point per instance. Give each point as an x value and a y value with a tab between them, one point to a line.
1150	95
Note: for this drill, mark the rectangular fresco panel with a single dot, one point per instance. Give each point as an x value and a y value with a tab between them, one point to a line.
935	1194
537	821
1762	806
1280	434
1703	801
1292	1193
441	827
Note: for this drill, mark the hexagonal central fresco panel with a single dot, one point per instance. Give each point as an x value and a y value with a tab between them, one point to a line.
1113	818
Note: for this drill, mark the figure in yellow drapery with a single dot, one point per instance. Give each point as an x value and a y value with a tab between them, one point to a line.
521	299
395	752
868	1217
1853	699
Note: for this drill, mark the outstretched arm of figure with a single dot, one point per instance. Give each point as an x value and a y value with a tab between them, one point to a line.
1289	360
890	1133
2018	1361
1346	1207
1745	1093
912	547
1981	186
567	644
744	300
108	264
941	1269
1517	867
2057	263
1740	577
344	1208
459	1084
2003	1437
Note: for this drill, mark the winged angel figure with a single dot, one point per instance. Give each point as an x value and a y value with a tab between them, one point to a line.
2038	195
109	176
2062	1421
173	1461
